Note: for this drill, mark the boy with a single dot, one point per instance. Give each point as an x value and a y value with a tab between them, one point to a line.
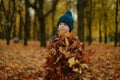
65	52
65	23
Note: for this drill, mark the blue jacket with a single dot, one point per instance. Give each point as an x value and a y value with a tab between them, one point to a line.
54	36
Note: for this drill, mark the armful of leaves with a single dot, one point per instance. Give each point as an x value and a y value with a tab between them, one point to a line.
66	58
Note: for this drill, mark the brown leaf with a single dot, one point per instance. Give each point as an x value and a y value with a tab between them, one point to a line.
59	72
71	61
66	41
84	66
58	58
65	52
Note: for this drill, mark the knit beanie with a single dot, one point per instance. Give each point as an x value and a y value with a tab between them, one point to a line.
67	18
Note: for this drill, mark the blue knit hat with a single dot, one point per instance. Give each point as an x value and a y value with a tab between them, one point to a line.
67	18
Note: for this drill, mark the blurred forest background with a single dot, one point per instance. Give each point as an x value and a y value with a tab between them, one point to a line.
31	24
24	20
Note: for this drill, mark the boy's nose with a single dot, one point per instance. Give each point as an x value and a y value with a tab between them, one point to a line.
62	25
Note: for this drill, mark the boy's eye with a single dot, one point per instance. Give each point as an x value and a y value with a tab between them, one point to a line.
65	24
60	24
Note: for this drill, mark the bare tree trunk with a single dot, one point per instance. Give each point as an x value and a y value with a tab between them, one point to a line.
80	13
35	28
55	2
89	20
20	26
116	22
14	31
26	24
100	31
2	27
0	20
41	16
119	38
105	20
105	27
42	23
8	28
10	19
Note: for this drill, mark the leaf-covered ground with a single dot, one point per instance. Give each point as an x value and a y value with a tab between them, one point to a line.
18	62
105	63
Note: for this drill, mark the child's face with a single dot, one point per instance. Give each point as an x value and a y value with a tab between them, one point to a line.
63	27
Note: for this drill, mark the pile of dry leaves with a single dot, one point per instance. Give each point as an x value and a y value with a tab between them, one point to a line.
66	59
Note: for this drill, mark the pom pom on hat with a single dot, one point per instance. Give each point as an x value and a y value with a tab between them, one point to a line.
67	18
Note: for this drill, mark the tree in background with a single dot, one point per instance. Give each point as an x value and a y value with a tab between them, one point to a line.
95	19
105	27
80	13
2	20
54	4
104	14
26	35
38	5
89	15
100	17
21	24
10	17
100	30
116	22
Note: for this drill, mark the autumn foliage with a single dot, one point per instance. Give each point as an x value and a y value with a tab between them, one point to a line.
66	58
97	61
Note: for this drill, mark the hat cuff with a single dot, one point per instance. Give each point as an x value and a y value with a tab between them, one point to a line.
68	22
70	26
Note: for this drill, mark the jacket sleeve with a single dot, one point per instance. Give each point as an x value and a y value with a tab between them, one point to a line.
54	36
